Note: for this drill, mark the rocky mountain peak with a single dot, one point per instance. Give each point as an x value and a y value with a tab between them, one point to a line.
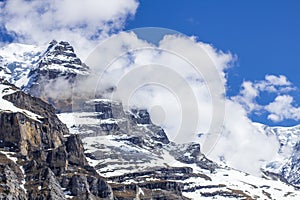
38	69
56	51
62	45
60	60
57	70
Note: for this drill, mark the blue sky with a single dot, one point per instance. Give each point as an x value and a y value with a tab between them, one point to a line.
265	36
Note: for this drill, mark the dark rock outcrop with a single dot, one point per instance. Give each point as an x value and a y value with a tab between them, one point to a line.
52	160
190	153
166	190
10	180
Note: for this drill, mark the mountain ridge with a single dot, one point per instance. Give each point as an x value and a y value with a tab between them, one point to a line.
133	154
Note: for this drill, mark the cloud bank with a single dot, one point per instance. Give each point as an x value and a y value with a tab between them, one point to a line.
183	74
82	23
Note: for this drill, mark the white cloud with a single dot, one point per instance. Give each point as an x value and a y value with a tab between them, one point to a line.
247	96
167	77
282	108
277	80
82	23
185	67
277	85
241	142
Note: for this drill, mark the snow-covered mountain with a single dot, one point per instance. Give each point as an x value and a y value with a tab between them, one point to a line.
26	65
125	147
39	159
59	61
134	155
17	60
287	161
45	72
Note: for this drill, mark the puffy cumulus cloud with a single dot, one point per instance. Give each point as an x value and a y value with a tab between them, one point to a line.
187	70
82	23
181	81
282	108
251	91
247	96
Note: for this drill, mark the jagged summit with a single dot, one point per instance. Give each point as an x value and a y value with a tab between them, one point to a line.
61	58
31	68
58	61
48	72
53	76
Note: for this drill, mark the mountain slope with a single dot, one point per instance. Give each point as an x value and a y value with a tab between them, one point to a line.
130	151
286	164
38	153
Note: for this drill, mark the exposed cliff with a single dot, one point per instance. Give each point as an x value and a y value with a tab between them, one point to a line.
41	154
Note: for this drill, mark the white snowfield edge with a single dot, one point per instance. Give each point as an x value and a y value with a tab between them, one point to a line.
6	106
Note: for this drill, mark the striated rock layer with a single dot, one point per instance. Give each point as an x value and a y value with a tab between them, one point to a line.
38	153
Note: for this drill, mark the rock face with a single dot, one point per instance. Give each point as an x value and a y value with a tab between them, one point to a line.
10	180
25	134
140	162
48	162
